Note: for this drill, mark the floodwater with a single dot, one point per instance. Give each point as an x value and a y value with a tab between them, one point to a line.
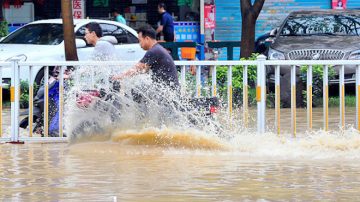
172	165
157	160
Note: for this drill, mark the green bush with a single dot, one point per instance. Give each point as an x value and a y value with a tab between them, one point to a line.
24	93
237	82
317	84
3	28
350	101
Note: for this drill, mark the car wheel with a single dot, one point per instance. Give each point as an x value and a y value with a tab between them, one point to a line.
39	79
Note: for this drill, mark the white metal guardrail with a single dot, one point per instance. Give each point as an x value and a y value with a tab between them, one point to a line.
260	63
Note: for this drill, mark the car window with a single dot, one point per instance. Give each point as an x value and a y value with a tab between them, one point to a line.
80	33
122	35
40	34
322	25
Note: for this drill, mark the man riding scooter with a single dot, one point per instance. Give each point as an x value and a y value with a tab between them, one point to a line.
39	100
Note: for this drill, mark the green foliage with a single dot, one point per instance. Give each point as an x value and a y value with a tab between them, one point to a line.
350	101
3	28
24	93
237	82
317	85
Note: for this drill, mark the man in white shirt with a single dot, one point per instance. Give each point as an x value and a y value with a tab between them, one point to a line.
103	46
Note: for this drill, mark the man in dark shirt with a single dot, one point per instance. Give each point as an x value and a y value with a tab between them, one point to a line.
166	24
156	60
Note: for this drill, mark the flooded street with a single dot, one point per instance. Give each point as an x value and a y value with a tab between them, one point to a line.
174	165
105	171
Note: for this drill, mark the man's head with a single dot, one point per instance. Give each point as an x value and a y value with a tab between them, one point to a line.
114	12
92	33
161	7
147	37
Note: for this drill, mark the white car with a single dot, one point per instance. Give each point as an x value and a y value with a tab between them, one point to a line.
43	41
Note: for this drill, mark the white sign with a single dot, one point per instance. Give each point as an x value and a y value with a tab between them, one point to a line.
78	9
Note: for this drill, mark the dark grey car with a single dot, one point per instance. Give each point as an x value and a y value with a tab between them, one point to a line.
318	35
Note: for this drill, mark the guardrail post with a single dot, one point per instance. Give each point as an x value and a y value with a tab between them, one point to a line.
326	98
230	91
61	99
15	101
342	97
277	99
245	96
46	101
309	97
293	100
198	81
213	81
31	101
261	94
183	79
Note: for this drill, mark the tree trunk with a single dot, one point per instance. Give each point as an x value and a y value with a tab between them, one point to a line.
68	27
249	15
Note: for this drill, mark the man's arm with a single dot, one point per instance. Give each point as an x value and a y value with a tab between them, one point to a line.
159	29
162	24
137	69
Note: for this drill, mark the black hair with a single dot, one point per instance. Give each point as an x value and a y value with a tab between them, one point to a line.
114	10
147	30
162	5
95	27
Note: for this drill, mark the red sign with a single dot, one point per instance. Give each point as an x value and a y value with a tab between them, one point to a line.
78	9
209	13
339	4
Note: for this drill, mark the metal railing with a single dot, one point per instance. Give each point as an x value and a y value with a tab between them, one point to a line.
325	64
261	64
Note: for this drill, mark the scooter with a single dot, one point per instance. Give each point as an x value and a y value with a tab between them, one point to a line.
101	100
38	107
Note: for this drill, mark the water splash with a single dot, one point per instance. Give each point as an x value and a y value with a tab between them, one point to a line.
143	113
139	103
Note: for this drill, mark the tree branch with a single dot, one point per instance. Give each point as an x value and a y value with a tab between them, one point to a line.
245	6
258	6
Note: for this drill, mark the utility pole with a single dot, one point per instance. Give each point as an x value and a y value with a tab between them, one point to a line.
68	27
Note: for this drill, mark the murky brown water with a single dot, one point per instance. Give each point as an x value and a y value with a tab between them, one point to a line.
270	168
169	165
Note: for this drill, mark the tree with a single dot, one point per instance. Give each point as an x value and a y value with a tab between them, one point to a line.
249	15
68	27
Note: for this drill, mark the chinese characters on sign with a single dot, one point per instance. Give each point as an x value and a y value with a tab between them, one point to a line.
78	9
338	4
209	13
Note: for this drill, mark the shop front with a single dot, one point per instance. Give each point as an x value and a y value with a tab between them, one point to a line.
186	13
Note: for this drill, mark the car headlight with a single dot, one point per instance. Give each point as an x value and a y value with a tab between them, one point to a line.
276	55
355	55
20	57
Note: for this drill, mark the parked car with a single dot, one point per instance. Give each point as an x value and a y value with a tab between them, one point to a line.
43	41
318	35
261	43
315	35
